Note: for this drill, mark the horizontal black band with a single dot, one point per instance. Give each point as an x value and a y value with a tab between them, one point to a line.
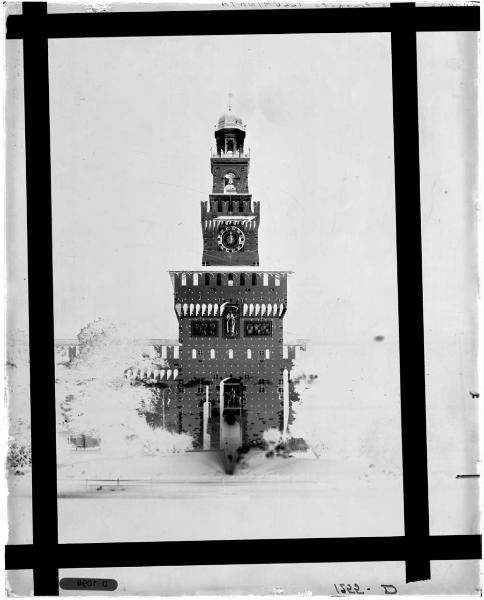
223	552
248	21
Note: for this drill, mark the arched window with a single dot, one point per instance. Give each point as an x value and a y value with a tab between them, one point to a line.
207	278
254	279
265	279
242	279
184	279
195	278
231	353
249	353
194	353
212	353
268	353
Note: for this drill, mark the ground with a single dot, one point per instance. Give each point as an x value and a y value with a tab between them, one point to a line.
189	496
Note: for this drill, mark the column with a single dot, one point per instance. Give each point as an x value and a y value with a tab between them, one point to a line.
222	385
206	419
285	400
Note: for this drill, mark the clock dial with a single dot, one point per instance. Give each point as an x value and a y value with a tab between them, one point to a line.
231	239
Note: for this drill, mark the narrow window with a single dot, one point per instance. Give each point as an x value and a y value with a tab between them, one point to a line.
200	386
194	353
215	377
261	354
184	278
220	206
219	279
231	205
254	279
164	352
241	206
207	278
181	386
231	354
231	279
212	353
242	279
280	387
195	279
277	279
265	279
200	354
176	351
261	385
249	353
268	353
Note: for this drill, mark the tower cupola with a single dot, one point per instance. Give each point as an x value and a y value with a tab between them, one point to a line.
230	135
230	219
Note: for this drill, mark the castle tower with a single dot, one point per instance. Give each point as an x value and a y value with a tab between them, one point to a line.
230	220
234	368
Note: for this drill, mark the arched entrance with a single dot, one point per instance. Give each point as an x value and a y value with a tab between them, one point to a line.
231	397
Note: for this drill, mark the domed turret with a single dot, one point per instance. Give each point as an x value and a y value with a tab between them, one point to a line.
230	135
230	121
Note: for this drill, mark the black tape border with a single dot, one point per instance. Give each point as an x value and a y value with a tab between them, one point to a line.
45	556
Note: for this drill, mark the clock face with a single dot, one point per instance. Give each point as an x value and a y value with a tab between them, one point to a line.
231	239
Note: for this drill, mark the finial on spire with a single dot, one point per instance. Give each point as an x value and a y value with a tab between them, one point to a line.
230	100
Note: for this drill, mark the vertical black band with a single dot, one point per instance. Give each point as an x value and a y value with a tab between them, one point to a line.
41	307
410	299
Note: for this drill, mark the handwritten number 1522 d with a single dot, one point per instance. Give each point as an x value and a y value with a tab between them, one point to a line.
346	588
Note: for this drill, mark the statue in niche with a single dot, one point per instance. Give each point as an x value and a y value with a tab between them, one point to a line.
232	399
229	187
230	323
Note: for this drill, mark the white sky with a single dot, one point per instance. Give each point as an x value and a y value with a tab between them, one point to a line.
132	126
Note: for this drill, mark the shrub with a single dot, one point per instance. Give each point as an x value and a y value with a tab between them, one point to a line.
19	456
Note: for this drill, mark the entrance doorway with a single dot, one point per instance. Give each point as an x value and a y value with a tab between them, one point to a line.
231	398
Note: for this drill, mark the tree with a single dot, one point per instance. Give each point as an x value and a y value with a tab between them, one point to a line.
94	396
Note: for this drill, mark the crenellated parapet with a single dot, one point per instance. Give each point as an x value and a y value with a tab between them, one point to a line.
230	228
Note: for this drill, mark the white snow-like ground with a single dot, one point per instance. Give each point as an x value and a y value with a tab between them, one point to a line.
189	497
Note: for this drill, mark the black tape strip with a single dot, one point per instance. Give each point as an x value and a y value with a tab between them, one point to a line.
307	20
41	305
226	552
410	296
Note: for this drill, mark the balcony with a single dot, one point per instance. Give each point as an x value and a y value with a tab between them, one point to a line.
230	154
